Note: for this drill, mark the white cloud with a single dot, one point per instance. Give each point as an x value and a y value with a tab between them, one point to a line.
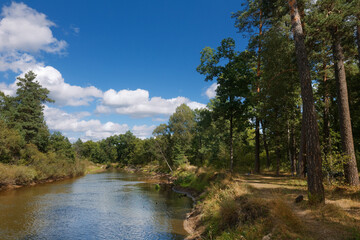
58	120
16	61
7	89
24	29
64	93
93	129
60	91
211	91
125	97
137	103
143	131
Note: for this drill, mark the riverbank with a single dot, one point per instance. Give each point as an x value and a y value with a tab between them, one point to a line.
269	207
17	176
236	206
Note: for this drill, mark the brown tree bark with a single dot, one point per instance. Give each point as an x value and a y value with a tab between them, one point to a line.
326	129
347	142
358	40
257	121
300	171
257	146
278	156
265	144
313	152
291	149
231	144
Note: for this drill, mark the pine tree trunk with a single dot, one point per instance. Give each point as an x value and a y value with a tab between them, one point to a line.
313	152
291	151
358	41
257	121
350	167
265	145
278	156
231	144
327	139
257	146
300	171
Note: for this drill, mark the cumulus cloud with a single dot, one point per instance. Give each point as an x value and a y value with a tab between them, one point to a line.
16	61
211	91
63	93
7	89
137	103
24	29
143	131
125	97
93	129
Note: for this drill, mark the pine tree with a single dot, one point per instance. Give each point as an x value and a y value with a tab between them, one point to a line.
28	114
313	152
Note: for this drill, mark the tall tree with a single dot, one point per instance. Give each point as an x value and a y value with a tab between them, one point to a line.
181	126
248	19
27	110
313	152
336	18
234	78
350	166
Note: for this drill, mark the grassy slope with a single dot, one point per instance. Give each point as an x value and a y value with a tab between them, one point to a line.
253	206
48	170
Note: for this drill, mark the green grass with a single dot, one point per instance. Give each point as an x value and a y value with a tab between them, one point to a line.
197	179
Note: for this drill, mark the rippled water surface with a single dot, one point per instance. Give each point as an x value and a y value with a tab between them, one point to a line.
110	205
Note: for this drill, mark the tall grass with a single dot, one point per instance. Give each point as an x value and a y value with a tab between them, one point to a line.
19	175
37	166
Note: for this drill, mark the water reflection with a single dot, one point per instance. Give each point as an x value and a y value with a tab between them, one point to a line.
110	205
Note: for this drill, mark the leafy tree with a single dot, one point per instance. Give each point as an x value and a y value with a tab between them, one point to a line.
11	144
234	78
61	145
164	144
181	126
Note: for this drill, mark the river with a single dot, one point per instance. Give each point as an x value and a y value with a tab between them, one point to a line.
110	205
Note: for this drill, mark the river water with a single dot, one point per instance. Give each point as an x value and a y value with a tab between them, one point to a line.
111	205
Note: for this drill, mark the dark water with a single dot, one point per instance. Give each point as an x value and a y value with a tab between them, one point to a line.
110	205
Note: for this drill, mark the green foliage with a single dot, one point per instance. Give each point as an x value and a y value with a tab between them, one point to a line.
193	178
27	114
25	139
19	175
62	146
11	143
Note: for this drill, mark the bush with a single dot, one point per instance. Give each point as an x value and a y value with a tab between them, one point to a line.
20	175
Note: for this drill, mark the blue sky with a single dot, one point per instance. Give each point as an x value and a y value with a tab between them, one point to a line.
113	66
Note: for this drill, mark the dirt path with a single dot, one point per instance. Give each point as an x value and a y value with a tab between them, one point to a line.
288	188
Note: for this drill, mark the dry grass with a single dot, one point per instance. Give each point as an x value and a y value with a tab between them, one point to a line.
16	175
251	207
91	167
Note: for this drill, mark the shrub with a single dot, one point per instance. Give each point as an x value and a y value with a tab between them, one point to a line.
20	175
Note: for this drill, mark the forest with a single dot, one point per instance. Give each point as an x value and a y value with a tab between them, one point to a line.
288	105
